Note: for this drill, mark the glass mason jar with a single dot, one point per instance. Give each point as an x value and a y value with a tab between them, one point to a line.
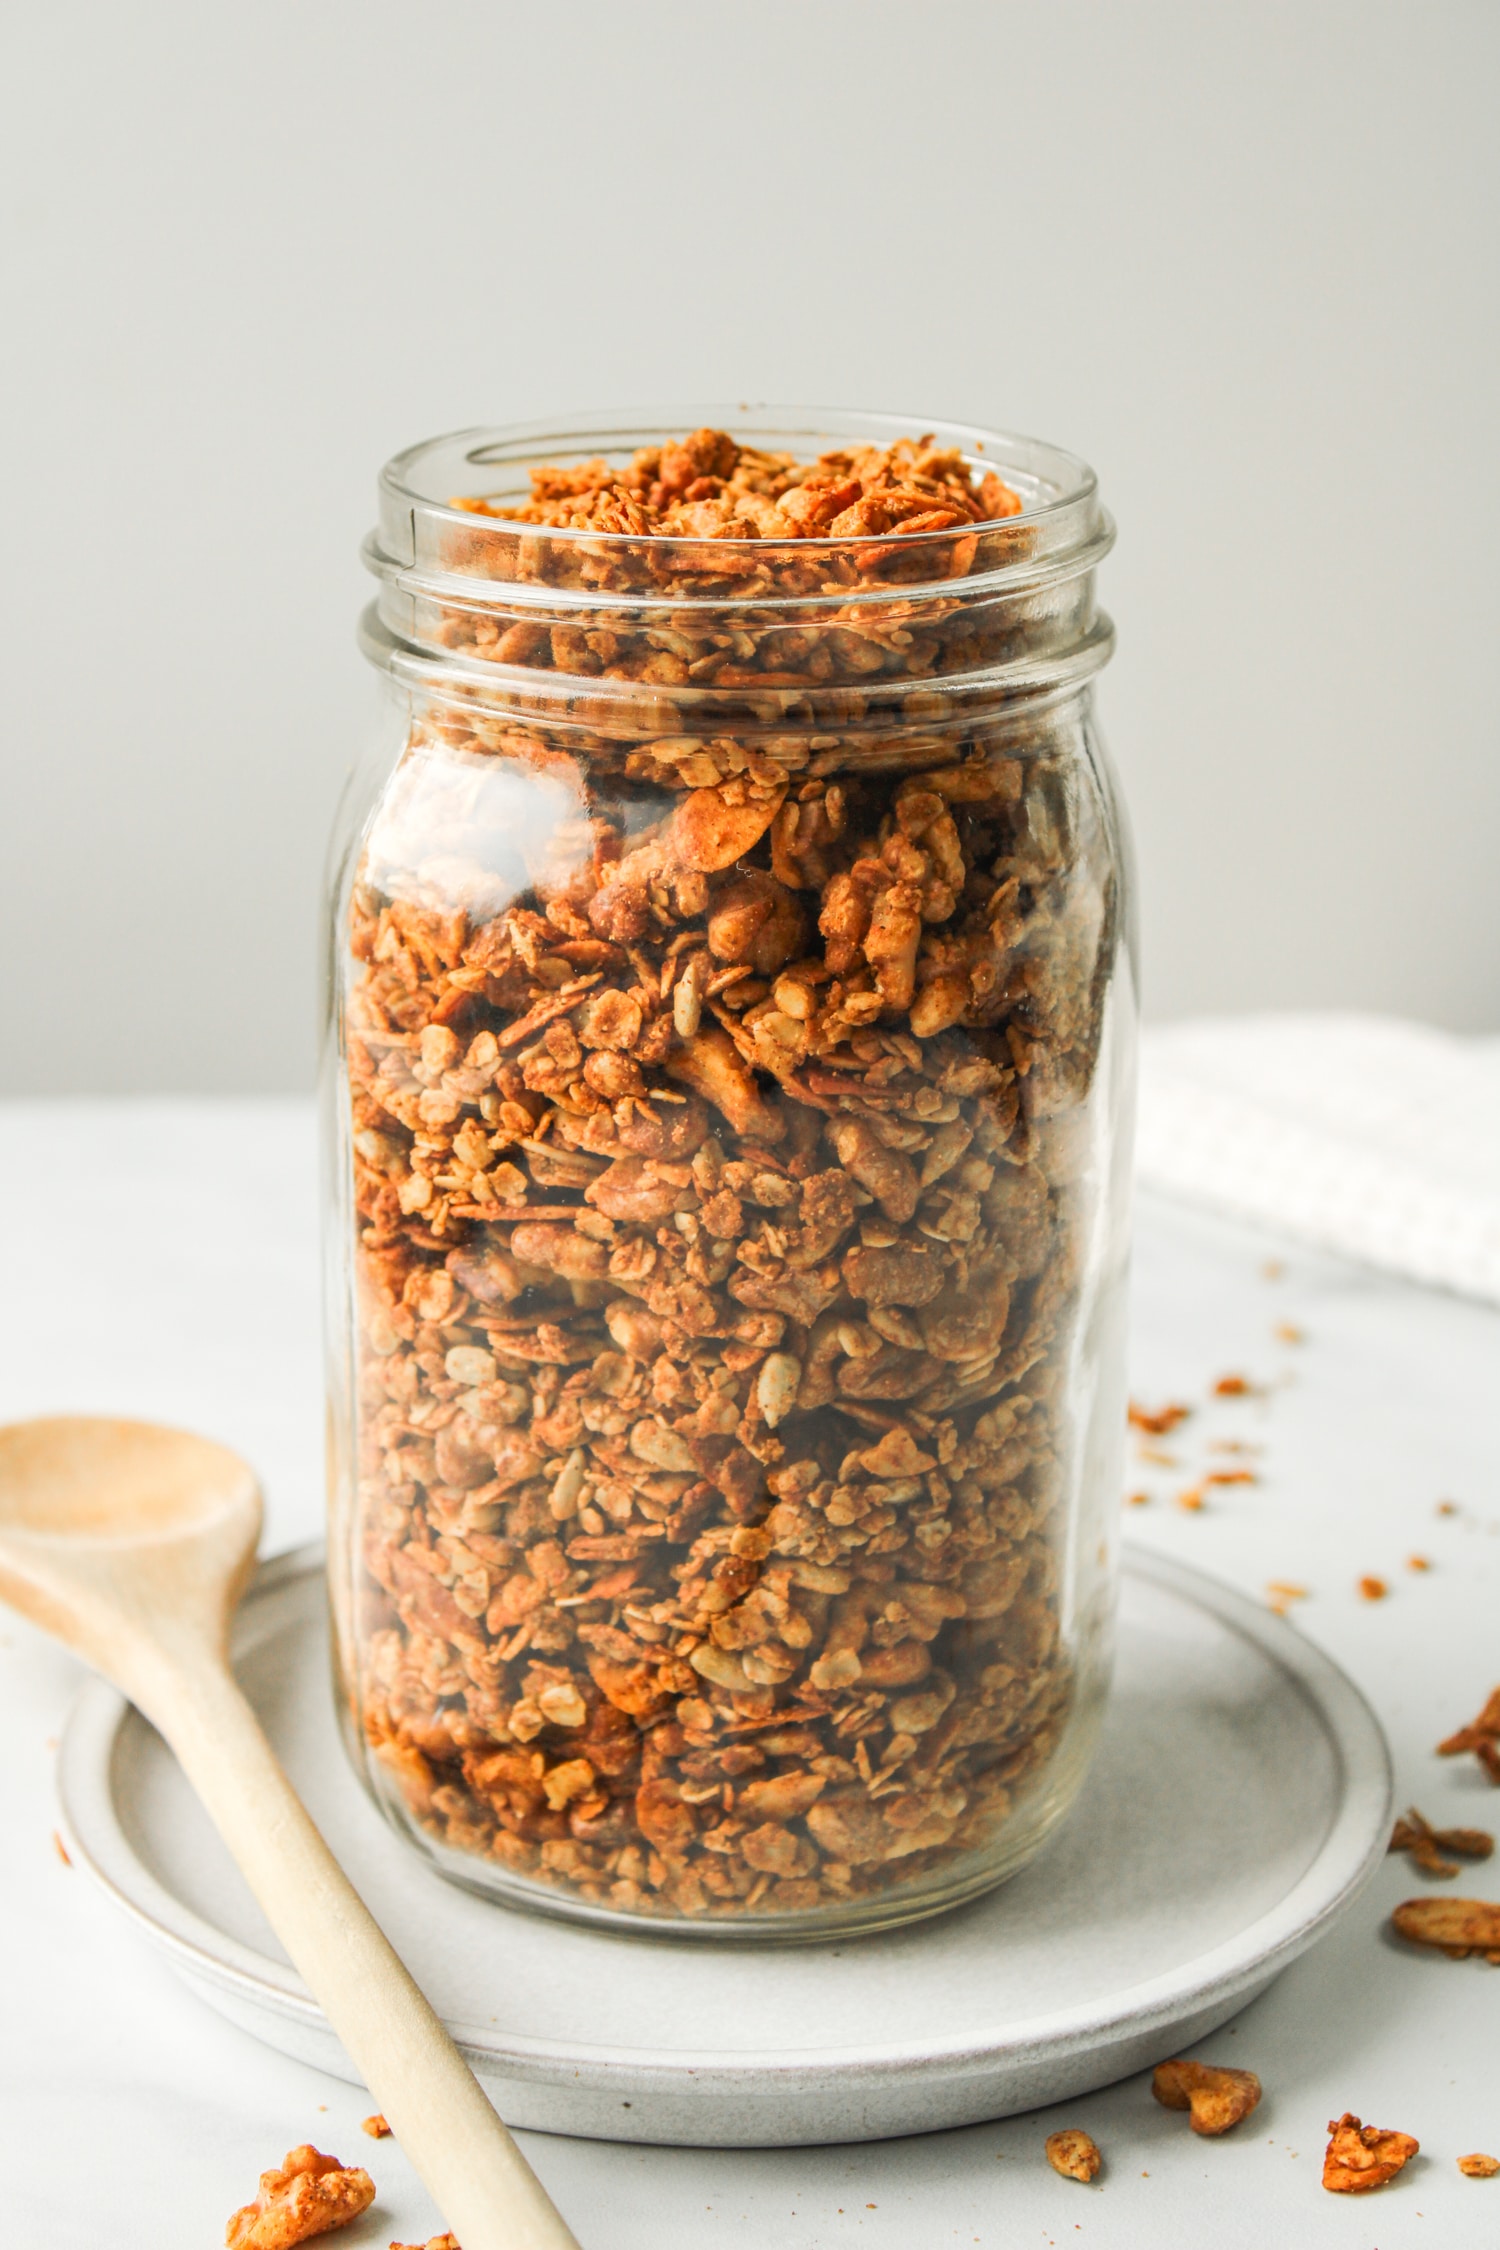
730	1073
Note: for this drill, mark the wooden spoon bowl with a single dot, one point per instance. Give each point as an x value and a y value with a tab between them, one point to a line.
133	1544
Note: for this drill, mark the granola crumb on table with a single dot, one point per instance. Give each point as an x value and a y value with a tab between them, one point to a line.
1217	2097
1361	2157
375	2126
1074	2153
1482	1736
1479	2166
1426	1844
722	1216
311	2194
1455	1926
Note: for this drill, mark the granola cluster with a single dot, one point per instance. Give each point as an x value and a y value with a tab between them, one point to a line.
708	514
725	1183
311	2194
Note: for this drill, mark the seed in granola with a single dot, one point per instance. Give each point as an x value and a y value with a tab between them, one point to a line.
1361	2157
1074	2153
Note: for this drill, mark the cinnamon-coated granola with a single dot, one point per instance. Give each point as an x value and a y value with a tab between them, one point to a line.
311	2194
1427	1845
1074	2153
1455	1926
1482	1736
720	1185
1217	2096
1361	2157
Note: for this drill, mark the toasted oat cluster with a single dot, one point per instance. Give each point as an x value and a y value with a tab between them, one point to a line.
1482	1736
1427	1844
1455	1926
707	515
708	486
722	1186
1362	2157
1217	2096
1074	2153
311	2194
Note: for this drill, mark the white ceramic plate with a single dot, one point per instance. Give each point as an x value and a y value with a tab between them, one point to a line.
1240	1798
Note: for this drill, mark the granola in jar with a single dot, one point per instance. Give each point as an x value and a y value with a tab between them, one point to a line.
733	1024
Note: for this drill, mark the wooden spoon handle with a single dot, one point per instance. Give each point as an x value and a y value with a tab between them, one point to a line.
480	2181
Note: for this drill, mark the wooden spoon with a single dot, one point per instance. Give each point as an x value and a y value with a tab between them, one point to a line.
133	1544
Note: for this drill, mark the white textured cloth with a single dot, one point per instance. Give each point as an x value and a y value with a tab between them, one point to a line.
1372	1137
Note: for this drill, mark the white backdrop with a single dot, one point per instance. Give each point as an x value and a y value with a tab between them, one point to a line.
1240	256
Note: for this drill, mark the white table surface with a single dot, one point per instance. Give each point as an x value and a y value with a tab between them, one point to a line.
161	1260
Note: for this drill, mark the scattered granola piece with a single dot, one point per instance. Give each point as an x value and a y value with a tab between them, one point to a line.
311	2194
1218	2097
1138	1500
433	2242
1447	1508
1361	2157
1281	1593
1427	1844
1231	1476
61	1849
1234	1386
1482	1737
1158	1421
1373	1589
1192	1499
1456	1926
376	2127
1418	1562
1286	1332
1074	2153
1477	2167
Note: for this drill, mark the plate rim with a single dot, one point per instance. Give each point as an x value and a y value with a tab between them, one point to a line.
1352	1849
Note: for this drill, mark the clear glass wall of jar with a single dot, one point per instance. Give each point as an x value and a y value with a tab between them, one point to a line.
730	1064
